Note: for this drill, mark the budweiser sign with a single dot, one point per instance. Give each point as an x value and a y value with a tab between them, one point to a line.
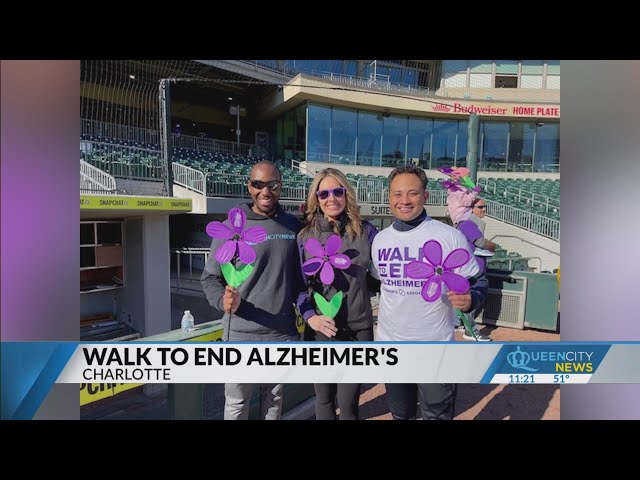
502	110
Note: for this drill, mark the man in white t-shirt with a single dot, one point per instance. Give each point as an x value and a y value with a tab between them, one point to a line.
404	315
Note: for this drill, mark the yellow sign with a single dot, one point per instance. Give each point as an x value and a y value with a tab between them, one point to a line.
92	392
110	202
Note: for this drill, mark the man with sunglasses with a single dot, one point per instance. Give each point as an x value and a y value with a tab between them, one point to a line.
262	307
473	230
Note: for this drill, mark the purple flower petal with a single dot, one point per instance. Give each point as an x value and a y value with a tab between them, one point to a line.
218	230
456	283
340	261
456	258
432	289
433	252
312	266
226	251
314	247
326	274
419	270
254	235
246	254
333	245
237	219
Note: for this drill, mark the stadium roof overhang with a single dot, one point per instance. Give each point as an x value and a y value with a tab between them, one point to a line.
304	88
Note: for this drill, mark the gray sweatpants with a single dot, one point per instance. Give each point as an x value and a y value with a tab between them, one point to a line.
238	396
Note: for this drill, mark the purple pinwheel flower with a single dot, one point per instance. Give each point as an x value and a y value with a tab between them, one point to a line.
436	271
449	185
324	258
237	239
446	170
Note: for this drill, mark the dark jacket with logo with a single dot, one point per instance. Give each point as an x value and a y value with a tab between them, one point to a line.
355	312
268	295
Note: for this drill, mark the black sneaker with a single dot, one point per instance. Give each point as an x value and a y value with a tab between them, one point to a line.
476	338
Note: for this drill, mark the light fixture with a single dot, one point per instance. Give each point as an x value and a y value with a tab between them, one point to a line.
229	98
132	77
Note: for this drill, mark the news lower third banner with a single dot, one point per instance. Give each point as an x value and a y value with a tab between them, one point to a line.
29	370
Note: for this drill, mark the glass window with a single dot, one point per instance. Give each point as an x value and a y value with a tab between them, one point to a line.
457	80
532	67
553	82
461	150
506	67
319	133
369	134
455	66
480	66
494	146
547	157
410	78
553	67
350	68
481	80
279	139
301	113
521	138
419	141
343	136
444	143
506	81
394	138
289	130
531	81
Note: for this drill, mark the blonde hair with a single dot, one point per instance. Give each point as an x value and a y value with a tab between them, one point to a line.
313	211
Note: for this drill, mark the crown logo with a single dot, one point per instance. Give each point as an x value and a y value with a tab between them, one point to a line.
441	108
520	359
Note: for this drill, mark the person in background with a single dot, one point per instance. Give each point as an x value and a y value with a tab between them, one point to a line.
460	199
473	230
262	307
404	315
332	210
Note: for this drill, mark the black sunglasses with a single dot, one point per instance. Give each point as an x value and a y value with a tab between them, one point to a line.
259	184
481	207
338	192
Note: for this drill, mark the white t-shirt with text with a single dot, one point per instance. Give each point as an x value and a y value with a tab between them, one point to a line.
403	314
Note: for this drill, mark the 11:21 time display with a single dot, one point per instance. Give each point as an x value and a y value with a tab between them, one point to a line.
524	378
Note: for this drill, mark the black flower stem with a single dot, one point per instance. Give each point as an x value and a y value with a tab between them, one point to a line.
228	328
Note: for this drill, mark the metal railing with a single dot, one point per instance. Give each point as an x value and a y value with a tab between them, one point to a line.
514	262
521	218
367	190
189	177
526	241
104	130
94	180
93	131
123	161
188	276
549	203
377	83
211	145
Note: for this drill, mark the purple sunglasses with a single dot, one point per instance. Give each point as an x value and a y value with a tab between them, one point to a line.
337	192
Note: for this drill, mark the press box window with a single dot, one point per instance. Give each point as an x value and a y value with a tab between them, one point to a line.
503	81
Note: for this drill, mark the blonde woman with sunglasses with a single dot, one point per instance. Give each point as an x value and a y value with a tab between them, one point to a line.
332	209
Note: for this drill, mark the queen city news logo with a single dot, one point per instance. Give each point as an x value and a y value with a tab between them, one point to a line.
552	359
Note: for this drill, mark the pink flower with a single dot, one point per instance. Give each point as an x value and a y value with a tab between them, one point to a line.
324	258
237	239
436	271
